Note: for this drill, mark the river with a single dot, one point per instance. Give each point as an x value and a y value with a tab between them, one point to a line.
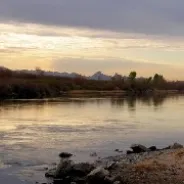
33	133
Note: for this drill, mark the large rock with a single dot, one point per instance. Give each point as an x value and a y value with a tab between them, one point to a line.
153	148
173	146
98	175
65	155
67	172
129	152
82	169
138	148
64	168
51	173
176	146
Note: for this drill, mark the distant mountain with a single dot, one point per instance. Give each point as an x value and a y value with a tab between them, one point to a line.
100	76
49	73
63	74
96	76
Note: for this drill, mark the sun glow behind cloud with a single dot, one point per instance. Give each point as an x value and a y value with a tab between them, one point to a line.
31	45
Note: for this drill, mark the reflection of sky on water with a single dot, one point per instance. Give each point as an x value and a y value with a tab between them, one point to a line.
33	133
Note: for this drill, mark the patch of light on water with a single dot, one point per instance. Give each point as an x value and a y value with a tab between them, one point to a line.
3	165
33	134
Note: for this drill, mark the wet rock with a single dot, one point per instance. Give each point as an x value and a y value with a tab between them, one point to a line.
138	148
153	148
65	155
98	175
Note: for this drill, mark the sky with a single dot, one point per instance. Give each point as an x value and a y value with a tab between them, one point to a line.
86	36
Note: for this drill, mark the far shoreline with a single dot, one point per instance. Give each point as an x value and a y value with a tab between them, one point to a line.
100	94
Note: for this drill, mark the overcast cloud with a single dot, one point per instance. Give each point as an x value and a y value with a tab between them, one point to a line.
160	17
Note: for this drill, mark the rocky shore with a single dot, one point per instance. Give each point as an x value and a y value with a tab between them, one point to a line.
139	165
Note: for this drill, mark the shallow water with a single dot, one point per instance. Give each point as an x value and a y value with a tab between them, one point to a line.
33	133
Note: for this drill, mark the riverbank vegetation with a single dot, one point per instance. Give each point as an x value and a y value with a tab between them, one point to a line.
22	85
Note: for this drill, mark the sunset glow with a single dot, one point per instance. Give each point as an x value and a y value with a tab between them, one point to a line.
85	50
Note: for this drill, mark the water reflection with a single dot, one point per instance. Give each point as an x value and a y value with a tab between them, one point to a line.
132	101
36	131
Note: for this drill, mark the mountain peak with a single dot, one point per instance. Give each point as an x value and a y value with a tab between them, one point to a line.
100	76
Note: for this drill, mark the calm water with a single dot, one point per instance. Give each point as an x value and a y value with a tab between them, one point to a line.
33	133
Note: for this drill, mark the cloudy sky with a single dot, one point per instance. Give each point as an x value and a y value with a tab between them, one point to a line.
86	36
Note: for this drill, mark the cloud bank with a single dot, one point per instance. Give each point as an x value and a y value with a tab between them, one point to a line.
160	17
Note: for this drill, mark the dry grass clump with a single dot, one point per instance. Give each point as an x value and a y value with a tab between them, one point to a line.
179	154
149	166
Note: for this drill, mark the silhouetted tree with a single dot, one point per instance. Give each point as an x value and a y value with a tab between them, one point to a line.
132	75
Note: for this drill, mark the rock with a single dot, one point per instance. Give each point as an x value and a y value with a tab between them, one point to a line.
65	155
67	171
111	165
129	152
138	148
108	180
153	148
119	151
117	182
51	173
166	148
94	154
57	181
176	146
64	168
82	169
98	175
80	180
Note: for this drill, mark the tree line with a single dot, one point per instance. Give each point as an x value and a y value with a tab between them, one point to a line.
21	85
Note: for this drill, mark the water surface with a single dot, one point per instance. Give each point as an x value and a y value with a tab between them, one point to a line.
33	133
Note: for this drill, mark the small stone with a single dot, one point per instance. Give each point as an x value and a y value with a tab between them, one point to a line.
94	154
119	151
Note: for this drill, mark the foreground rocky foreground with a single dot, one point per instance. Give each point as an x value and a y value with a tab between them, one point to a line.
141	165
